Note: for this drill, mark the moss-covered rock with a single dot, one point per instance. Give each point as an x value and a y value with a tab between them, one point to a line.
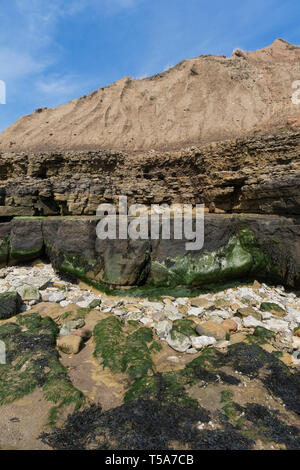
26	239
185	326
32	361
229	262
273	308
261	335
124	349
248	311
10	303
235	248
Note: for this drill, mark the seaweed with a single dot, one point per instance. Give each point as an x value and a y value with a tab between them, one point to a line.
127	350
33	361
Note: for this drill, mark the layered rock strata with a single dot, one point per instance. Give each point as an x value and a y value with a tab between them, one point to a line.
251	175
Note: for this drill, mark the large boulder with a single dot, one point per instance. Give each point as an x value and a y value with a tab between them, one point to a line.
236	247
70	245
70	344
73	247
10	304
211	329
124	262
28	292
26	239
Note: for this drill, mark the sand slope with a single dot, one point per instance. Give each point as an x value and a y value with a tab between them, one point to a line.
199	100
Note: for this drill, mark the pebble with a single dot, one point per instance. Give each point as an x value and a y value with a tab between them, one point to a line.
199	342
192	351
236	311
65	303
69	344
162	328
211	328
251	322
275	325
229	325
57	297
178	341
196	311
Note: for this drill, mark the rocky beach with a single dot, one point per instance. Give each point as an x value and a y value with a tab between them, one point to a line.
219	360
143	344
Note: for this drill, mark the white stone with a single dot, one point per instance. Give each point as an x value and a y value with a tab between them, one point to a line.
215	319
192	351
86	301
182	300
117	311
174	359
293	315
251	322
134	316
247	292
266	315
223	314
238	321
153	305
28	292
162	328
174	316
178	341
195	311
45	296
146	320
222	344
41	282
65	303
296	342
199	342
171	309
276	325
57	297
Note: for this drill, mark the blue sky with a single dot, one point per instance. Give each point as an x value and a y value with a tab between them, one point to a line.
52	52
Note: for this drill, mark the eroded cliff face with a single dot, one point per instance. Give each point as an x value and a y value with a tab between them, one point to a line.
218	131
204	99
259	174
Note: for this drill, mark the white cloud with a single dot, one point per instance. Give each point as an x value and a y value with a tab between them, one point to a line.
32	25
48	12
15	65
29	46
59	85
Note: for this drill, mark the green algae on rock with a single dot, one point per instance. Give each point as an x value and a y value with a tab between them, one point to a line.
184	326
32	361
273	308
127	350
243	256
229	262
236	248
260	336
